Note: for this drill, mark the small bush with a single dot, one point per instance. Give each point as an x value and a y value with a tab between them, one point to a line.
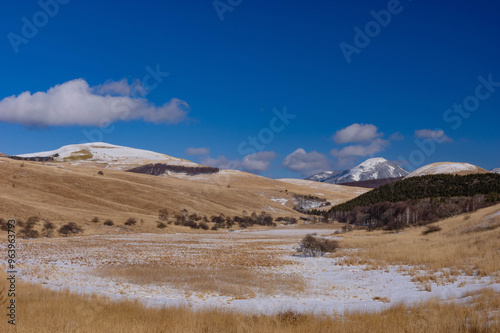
48	229
95	219
100	173
28	230
3	224
160	225
316	247
203	226
431	229
192	224
291	317
131	221
163	214
70	228
108	223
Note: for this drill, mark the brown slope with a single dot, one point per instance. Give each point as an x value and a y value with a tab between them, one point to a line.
64	192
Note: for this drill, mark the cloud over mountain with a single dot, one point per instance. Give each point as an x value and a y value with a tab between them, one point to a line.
76	103
306	163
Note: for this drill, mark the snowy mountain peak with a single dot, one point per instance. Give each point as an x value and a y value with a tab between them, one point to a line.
112	155
447	167
373	168
496	170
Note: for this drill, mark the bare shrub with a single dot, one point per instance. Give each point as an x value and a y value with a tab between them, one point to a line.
163	215
28	229
316	247
108	223
131	221
430	229
70	228
3	224
95	219
160	225
48	229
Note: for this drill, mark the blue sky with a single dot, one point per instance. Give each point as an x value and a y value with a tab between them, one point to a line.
393	95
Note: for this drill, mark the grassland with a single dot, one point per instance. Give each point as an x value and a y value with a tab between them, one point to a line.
41	310
467	244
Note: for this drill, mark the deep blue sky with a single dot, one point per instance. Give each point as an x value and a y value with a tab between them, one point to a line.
265	55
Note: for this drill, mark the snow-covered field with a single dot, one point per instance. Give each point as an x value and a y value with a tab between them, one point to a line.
74	263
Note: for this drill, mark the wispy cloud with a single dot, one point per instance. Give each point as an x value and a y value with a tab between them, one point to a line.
396	137
256	163
197	151
435	135
76	103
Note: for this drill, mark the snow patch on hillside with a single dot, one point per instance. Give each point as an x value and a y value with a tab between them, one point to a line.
447	167
108	153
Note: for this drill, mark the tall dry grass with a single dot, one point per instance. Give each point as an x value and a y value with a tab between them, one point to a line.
42	310
467	244
237	282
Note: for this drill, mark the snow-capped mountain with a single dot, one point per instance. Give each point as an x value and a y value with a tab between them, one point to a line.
496	170
112	155
373	168
447	167
322	176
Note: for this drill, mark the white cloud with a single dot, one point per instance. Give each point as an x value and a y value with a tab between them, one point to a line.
76	103
396	136
437	135
197	151
348	154
357	133
306	163
256	163
121	87
374	147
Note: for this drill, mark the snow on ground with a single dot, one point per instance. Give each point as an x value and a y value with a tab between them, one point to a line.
331	287
446	167
108	153
282	201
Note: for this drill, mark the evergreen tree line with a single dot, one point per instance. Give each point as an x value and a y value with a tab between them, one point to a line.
430	186
419	200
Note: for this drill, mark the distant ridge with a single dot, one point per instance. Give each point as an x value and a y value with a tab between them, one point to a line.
371	169
447	168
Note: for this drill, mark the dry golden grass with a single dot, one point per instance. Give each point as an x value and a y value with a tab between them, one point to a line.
63	192
236	282
463	245
41	310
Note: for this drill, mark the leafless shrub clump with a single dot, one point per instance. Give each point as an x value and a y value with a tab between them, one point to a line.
48	229
430	229
316	247
70	228
95	219
108	223
131	221
28	228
